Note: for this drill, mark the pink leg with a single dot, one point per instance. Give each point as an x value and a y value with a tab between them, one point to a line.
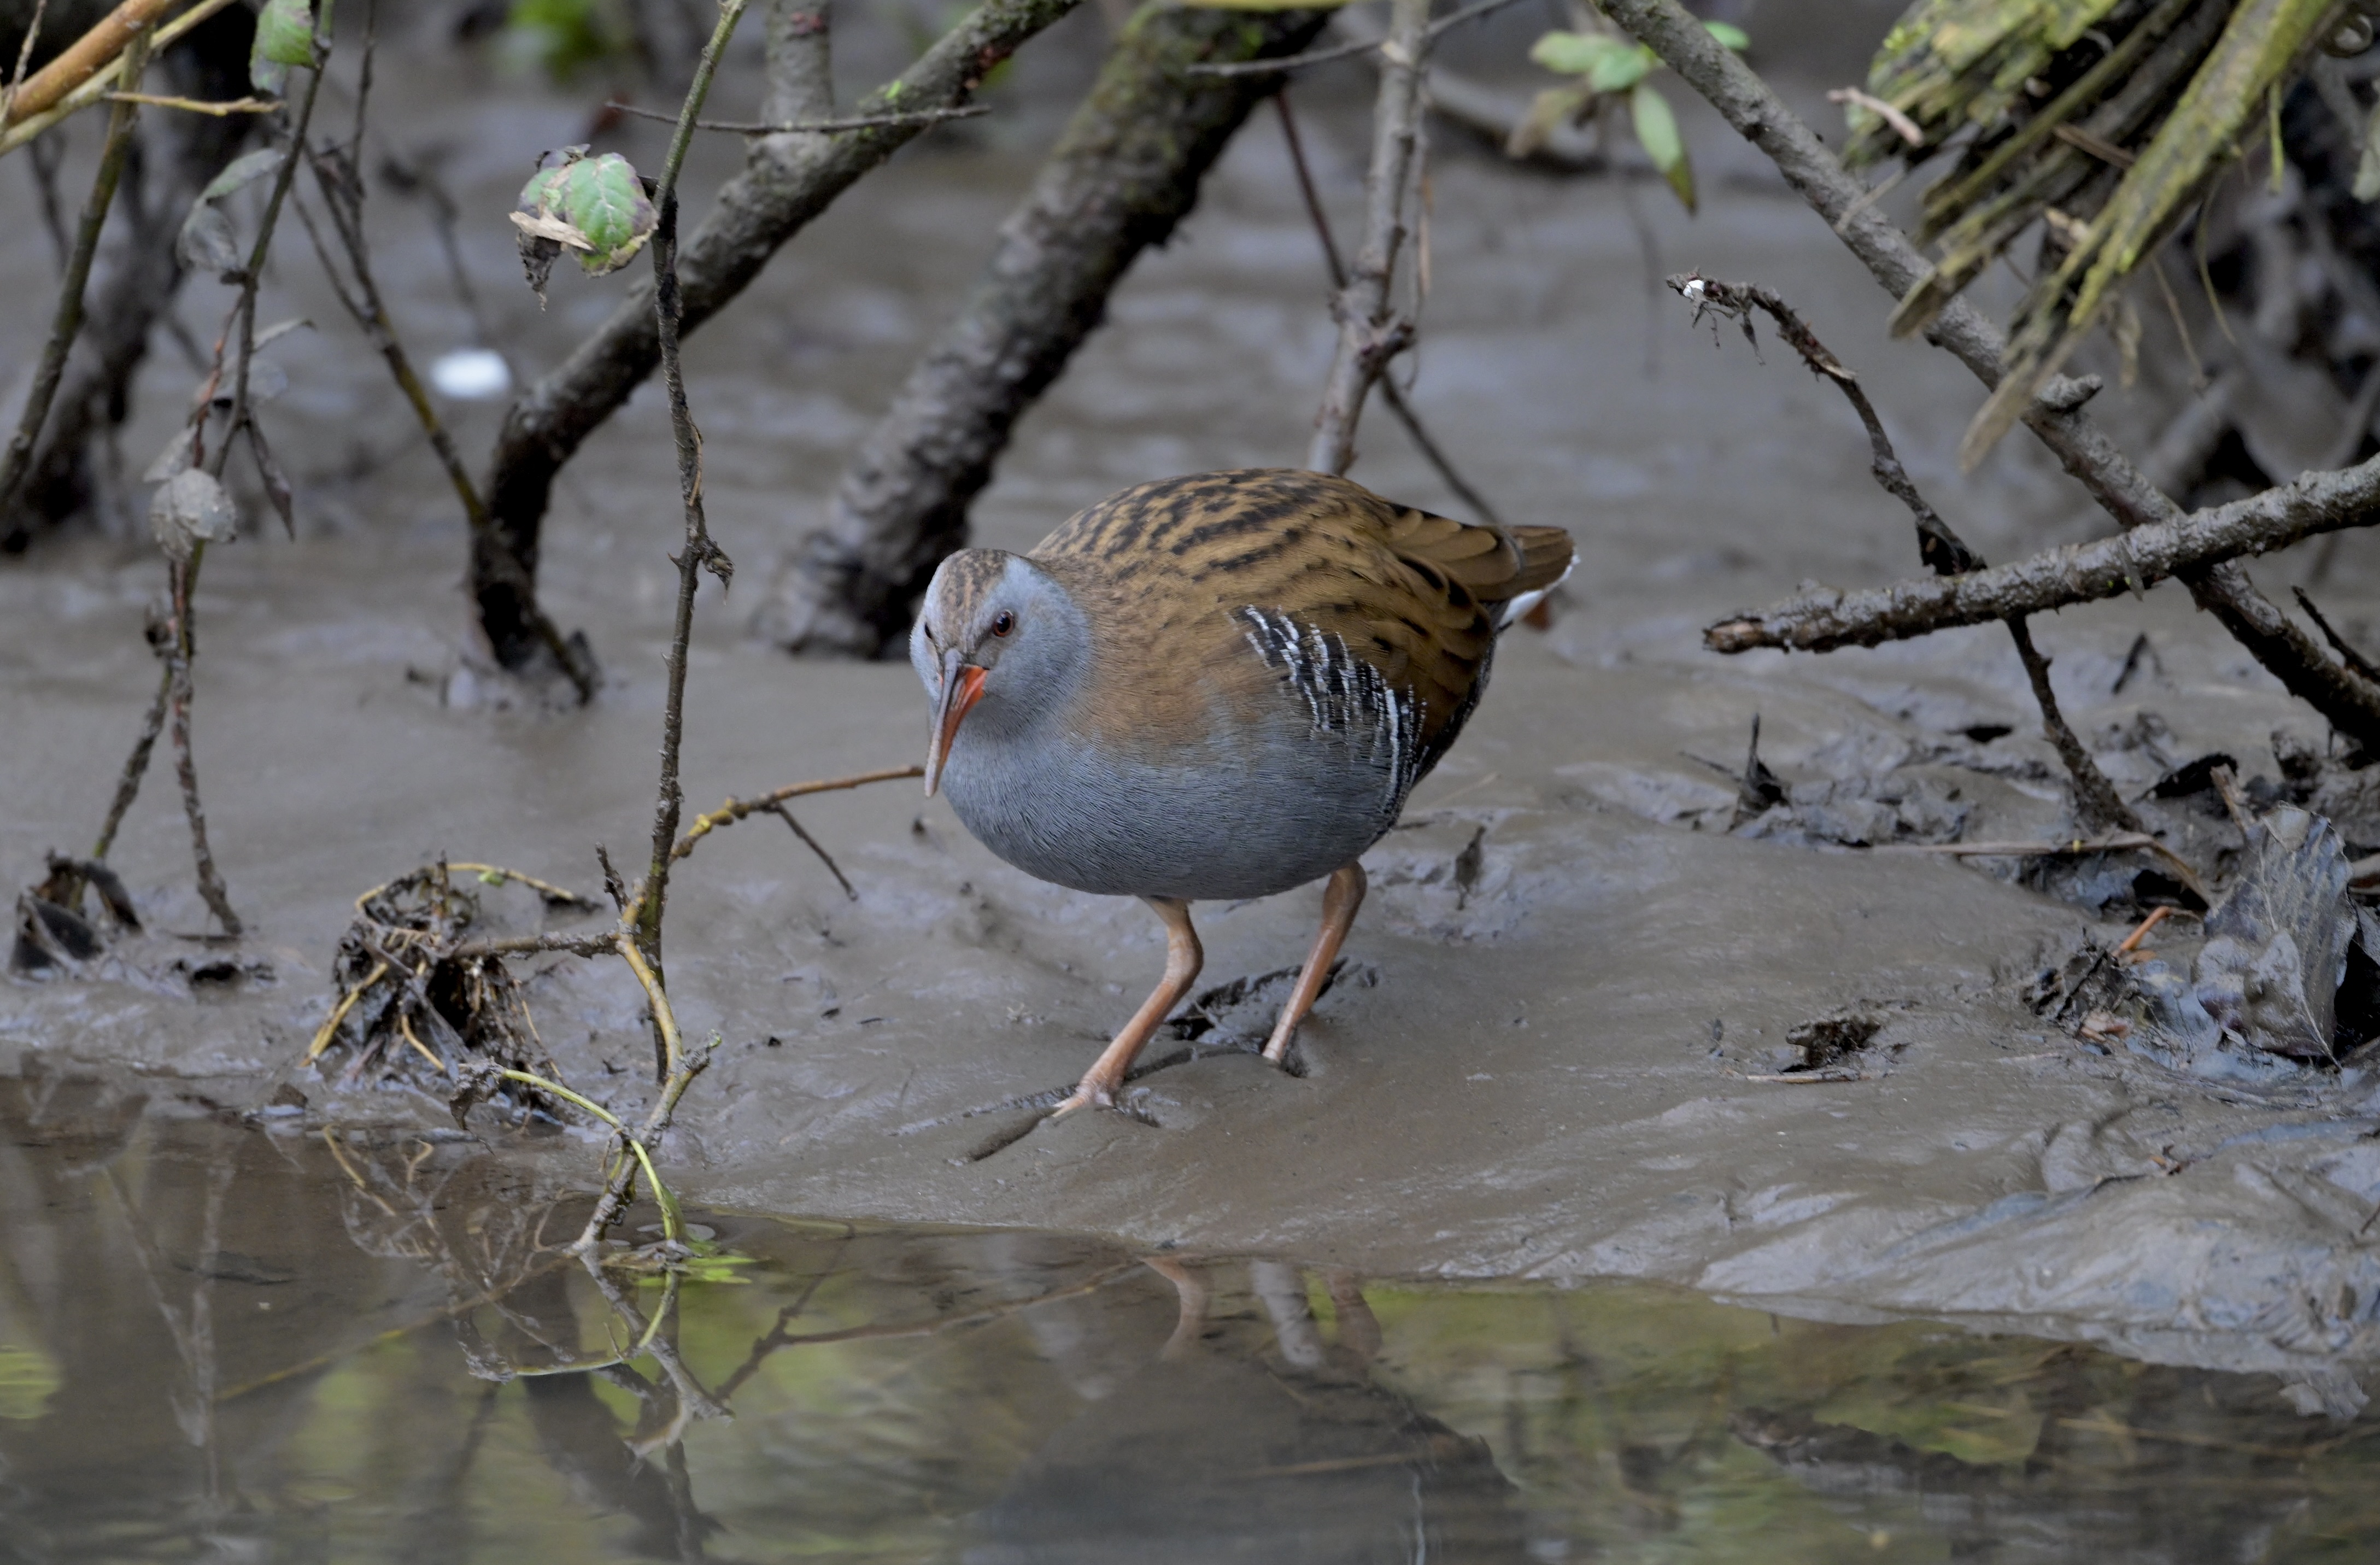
1341	897
1182	959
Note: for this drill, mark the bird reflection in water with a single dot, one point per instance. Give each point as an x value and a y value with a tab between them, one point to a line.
1238	1431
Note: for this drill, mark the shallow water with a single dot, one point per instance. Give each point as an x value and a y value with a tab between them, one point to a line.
228	1344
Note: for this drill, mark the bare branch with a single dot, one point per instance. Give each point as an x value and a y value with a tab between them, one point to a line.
816	126
1370	330
696	554
78	60
342	187
2079	572
1126	169
23	123
1389	392
66	324
2096	803
2351	705
198	107
786	181
1345	50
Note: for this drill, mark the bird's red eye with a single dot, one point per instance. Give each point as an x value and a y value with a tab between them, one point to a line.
1003	622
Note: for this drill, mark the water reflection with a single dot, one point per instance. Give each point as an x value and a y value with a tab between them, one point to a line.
216	1340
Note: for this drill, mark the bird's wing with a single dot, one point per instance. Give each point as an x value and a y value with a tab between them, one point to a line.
1178	565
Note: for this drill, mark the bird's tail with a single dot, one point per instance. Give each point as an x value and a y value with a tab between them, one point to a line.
1547	559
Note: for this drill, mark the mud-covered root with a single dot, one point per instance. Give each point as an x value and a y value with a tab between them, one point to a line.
55	931
415	1001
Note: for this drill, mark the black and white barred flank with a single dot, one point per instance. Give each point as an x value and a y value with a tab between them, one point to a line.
1342	692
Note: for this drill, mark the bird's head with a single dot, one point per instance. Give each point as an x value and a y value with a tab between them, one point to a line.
996	631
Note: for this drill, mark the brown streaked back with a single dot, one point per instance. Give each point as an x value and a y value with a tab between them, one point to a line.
1163	570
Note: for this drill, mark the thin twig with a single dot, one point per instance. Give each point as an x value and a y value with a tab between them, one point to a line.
23	127
413	175
1902	125
185	572
815	846
1371	332
340	180
2113	842
2339	643
815	126
47	155
2350	704
1344	51
136	765
75	63
1389	391
2096	803
2132	942
638	937
65	323
529	945
24	56
698	552
734	810
199	105
186	769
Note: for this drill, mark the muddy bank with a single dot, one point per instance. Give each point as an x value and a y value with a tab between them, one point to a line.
1546	1058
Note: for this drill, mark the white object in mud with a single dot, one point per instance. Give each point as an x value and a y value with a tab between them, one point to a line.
471	375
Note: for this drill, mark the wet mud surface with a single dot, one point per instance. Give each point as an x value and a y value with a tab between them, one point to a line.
1575	1037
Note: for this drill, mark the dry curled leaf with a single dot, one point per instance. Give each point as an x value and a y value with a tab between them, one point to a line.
190	508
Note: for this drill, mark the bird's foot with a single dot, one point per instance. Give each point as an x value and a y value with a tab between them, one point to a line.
1089	1095
1046	1108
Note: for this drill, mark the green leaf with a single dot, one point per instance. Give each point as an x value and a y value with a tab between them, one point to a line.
602	197
285	36
1657	131
1610	64
1730	35
1618	73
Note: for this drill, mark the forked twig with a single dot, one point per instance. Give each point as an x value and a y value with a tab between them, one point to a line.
2096	803
24	122
734	810
1371	330
1389	392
